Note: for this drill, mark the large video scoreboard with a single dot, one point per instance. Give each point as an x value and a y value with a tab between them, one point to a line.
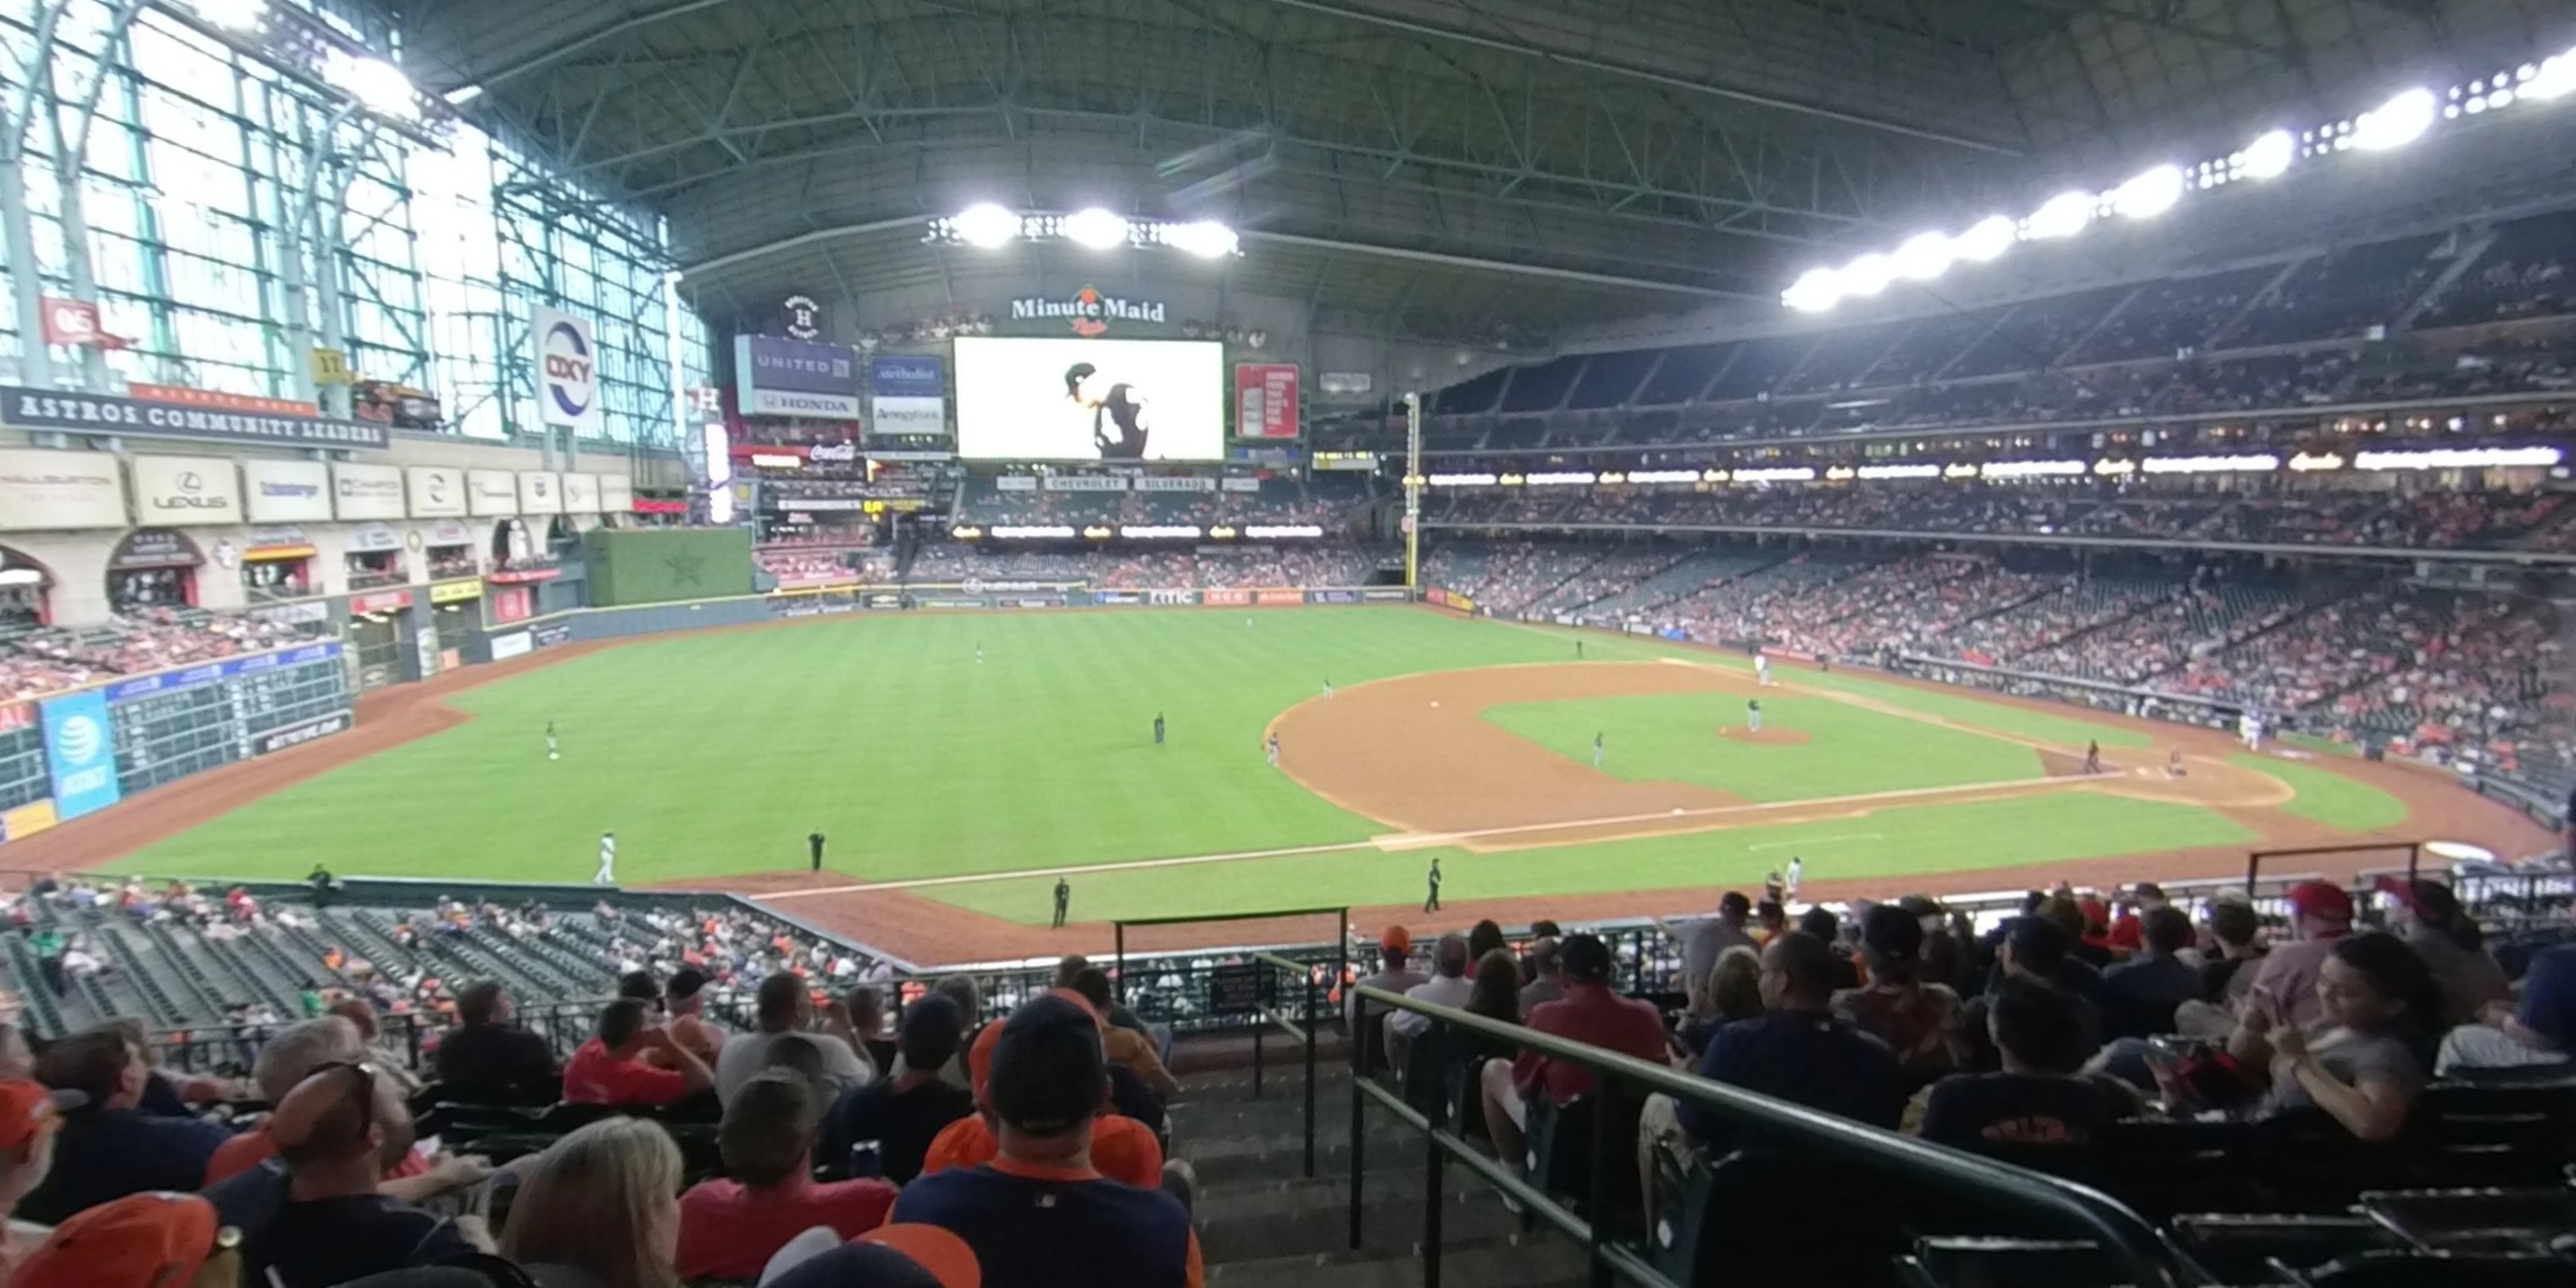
176	723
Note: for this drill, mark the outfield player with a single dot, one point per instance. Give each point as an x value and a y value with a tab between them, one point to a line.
1273	748
607	874
1578	650
1596	751
1328	686
979	651
1789	884
1158	728
814	842
1753	715
551	752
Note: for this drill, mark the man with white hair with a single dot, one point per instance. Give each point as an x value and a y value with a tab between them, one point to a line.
1448	986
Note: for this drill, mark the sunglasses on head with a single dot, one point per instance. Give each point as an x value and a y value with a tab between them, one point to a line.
366	1089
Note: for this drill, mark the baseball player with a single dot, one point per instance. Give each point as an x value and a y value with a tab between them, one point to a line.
1063	900
1431	897
1158	728
1115	405
552	752
979	652
1328	686
2093	756
2249	726
814	843
1796	872
1596	751
1578	650
2173	763
607	874
1753	715
1761	667
1273	748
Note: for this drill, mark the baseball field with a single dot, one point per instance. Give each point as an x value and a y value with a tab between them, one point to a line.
960	763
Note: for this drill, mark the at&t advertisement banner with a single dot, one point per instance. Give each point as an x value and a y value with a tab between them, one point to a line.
80	749
908	396
775	376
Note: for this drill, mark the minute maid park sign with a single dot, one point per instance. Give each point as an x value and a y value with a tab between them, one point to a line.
1088	310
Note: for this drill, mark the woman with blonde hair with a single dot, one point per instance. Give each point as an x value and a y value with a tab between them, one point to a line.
1732	991
603	1203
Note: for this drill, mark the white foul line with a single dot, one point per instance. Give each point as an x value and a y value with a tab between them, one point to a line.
1414	840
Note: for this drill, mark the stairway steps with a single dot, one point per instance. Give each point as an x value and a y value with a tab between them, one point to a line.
1254	1220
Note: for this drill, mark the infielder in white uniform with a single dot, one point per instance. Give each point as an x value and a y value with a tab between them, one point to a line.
2249	726
607	874
1796	872
1761	668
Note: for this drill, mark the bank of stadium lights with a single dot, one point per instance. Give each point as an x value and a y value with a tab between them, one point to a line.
986	226
232	15
2404	118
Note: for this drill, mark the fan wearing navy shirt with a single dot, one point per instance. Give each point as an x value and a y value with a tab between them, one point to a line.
1038	1216
1800	1052
2038	1100
109	1147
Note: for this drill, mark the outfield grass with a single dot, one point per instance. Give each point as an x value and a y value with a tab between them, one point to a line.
2327	797
715	754
1895	842
1673	737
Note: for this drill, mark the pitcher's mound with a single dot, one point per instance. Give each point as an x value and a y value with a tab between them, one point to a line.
1766	738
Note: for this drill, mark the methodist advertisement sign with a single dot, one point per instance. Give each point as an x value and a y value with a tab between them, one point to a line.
566	361
908	395
1265	400
776	376
179	490
57	491
80	751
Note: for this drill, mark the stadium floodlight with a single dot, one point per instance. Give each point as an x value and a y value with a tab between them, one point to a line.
1985	239
2397	122
1205	238
1096	228
1868	275
376	85
232	15
1925	256
2149	194
1815	291
2269	156
2554	76
2063	215
985	226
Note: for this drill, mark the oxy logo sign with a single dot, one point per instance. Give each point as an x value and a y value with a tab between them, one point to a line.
80	753
567	367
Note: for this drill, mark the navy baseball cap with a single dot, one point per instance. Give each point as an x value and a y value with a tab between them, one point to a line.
1049	1076
2549	998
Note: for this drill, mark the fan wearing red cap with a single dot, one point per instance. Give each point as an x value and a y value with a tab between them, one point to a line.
2320	913
1394	973
149	1240
1038	1215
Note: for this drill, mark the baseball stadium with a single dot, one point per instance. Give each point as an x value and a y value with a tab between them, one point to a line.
1991	637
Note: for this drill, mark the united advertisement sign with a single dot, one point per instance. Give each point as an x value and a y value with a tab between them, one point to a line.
777	376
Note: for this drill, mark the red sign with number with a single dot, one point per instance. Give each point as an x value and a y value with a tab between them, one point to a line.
1265	400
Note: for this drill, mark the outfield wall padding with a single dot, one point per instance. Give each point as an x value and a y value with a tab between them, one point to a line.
662	565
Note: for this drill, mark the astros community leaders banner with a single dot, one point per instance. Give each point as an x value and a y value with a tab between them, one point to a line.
85	413
774	376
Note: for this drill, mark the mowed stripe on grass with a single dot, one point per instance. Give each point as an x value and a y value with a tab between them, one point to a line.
1892	842
1851	750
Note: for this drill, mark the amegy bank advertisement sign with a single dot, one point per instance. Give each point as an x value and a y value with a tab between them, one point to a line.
775	376
908	395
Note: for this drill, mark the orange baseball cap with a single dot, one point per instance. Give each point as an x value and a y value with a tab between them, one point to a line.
29	1109
150	1240
1395	939
947	1257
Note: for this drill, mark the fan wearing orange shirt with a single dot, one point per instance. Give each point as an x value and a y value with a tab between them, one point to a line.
1122	1148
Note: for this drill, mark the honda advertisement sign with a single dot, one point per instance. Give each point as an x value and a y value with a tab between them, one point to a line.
908	396
776	376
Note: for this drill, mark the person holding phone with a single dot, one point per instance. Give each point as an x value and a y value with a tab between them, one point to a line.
2364	1064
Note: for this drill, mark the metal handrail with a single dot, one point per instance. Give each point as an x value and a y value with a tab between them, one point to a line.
1305	1035
2121	1233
